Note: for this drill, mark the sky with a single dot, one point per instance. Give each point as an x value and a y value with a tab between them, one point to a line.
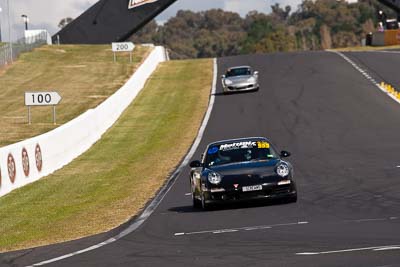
46	14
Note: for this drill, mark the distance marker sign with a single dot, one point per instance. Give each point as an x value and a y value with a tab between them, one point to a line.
42	98
123	47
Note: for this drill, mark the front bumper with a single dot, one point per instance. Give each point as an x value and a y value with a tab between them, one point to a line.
268	192
241	87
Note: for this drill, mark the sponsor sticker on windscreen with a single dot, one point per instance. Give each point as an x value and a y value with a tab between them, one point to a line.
212	150
263	144
238	145
242	145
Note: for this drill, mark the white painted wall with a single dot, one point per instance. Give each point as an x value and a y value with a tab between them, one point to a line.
60	146
32	36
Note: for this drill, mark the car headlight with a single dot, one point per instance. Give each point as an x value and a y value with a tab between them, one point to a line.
214	178
251	80
282	170
228	82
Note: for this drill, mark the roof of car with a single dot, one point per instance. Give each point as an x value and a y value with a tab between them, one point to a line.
239	67
238	140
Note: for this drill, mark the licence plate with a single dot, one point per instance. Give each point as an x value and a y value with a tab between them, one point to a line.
252	188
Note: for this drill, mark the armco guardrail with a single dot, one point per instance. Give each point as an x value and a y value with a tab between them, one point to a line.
28	161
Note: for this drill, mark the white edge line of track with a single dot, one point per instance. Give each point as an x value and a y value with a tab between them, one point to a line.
365	74
381	248
246	228
163	192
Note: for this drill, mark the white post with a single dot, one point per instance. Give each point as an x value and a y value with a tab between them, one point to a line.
29	115
9	31
1	39
54	115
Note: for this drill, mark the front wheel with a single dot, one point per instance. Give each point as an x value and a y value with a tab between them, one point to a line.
196	203
204	204
292	199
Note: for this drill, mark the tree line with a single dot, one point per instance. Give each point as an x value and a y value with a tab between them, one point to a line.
314	25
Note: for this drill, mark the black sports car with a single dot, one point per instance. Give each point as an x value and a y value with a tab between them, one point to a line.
240	169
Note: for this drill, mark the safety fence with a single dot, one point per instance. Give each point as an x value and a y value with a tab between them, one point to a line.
10	52
28	161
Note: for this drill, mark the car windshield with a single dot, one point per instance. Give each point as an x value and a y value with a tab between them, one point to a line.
239	152
238	72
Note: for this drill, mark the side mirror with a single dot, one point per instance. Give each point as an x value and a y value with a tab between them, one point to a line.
256	73
223	76
285	154
195	164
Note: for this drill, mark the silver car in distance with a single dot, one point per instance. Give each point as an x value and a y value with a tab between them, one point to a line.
241	78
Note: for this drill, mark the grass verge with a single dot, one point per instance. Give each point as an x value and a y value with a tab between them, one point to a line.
84	75
366	48
118	175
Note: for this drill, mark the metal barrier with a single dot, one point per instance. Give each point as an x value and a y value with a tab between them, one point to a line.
9	53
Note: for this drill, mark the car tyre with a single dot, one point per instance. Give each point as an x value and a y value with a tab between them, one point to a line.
204	204
196	202
292	199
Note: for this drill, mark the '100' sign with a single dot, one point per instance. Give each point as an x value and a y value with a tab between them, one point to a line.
42	98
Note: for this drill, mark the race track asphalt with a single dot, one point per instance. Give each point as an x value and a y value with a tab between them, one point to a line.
344	136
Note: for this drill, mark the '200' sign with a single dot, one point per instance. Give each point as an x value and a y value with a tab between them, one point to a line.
123	47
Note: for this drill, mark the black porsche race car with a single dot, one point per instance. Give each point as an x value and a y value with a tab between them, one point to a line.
241	169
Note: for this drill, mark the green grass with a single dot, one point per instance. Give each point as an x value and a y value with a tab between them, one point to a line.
84	75
113	180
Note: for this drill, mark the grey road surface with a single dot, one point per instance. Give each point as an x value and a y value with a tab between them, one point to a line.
344	135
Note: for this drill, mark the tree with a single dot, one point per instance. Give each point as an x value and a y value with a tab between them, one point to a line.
148	34
280	13
64	22
314	25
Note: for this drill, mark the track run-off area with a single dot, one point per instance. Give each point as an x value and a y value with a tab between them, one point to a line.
343	133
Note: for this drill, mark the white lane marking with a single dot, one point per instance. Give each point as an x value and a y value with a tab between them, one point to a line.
386	248
153	205
372	219
380	248
257	228
246	228
365	74
188	194
388	52
225	231
369	220
178	234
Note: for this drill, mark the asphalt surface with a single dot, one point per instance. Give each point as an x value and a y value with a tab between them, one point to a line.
344	136
382	65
